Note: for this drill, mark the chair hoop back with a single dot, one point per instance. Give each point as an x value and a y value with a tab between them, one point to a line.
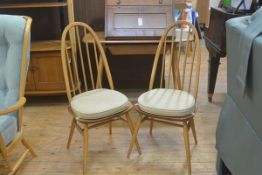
179	52
84	63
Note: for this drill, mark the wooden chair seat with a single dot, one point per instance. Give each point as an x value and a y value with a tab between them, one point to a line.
167	102
99	103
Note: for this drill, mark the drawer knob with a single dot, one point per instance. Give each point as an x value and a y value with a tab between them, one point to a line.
118	2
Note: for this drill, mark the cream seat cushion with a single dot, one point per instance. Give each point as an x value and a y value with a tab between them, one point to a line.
99	103
167	102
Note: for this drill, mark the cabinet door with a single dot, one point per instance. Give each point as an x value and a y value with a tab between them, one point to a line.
48	74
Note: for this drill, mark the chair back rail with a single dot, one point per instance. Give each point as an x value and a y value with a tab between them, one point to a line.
84	63
179	52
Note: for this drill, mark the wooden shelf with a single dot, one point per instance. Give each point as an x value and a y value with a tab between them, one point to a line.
42	46
44	93
34	5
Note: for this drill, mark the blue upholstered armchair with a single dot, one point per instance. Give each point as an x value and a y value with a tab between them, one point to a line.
14	59
239	132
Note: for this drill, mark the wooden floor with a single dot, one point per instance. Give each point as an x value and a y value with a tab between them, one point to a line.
47	125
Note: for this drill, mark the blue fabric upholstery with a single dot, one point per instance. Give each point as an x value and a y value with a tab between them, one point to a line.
252	30
8	128
11	48
239	132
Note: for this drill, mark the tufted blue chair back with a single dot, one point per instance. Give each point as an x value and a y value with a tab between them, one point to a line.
12	30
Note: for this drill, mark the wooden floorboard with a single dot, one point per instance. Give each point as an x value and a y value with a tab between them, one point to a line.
46	125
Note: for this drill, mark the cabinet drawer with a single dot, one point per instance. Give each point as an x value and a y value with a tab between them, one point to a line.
141	21
138	2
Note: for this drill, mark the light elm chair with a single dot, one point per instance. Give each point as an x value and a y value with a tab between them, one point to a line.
14	59
174	100
84	65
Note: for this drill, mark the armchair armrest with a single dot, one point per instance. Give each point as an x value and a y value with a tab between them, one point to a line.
20	103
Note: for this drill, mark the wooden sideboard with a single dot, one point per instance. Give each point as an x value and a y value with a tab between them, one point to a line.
136	18
45	74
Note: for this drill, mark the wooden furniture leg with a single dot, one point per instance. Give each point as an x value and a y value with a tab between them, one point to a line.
110	128
85	149
73	125
3	152
19	162
212	75
134	137
130	124
24	142
187	146
151	126
192	126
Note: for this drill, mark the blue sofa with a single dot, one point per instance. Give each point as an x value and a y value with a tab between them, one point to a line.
239	131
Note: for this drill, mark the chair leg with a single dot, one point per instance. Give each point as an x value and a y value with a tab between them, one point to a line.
187	146
3	152
131	127
134	137
24	142
72	129
110	128
19	162
151	126
85	150
192	125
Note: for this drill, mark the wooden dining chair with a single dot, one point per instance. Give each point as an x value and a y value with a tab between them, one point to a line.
14	60
173	101
86	72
